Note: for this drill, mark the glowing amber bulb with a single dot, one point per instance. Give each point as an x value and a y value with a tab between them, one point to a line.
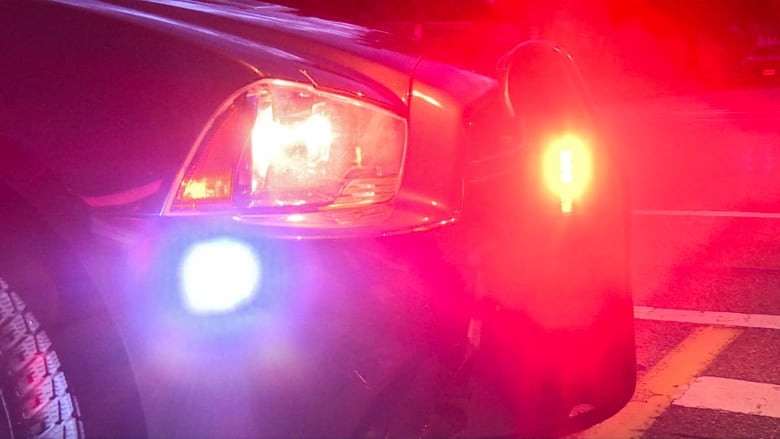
567	169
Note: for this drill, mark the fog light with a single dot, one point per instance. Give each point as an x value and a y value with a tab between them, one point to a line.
219	276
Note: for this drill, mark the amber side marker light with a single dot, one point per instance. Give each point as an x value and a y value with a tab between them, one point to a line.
567	166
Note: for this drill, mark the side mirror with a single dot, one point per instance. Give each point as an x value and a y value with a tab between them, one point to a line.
543	88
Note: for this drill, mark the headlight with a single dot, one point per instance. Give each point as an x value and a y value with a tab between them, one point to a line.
278	144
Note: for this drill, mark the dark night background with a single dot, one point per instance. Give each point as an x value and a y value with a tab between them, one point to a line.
637	47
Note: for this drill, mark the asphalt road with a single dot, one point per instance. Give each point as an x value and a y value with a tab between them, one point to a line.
705	172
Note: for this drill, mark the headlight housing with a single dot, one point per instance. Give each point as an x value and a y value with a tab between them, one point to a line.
280	146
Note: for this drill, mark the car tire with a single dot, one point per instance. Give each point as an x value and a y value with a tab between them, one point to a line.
34	392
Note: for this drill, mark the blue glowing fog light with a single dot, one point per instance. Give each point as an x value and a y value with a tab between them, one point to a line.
219	276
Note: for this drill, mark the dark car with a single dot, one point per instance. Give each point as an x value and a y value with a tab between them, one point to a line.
231	218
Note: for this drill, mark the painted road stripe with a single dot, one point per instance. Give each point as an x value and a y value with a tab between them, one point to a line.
664	382
765	321
707	213
736	396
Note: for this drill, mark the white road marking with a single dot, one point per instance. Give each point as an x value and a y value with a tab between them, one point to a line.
731	395
765	321
707	213
659	386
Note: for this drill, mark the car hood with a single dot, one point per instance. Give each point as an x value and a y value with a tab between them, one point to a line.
278	41
331	33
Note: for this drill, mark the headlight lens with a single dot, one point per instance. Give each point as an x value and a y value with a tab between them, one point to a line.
281	144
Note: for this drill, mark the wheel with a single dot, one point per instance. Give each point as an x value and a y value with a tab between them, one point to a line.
34	395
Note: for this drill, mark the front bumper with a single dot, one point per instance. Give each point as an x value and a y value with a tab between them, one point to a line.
340	331
350	336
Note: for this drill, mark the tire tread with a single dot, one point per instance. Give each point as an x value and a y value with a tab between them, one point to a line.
39	389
